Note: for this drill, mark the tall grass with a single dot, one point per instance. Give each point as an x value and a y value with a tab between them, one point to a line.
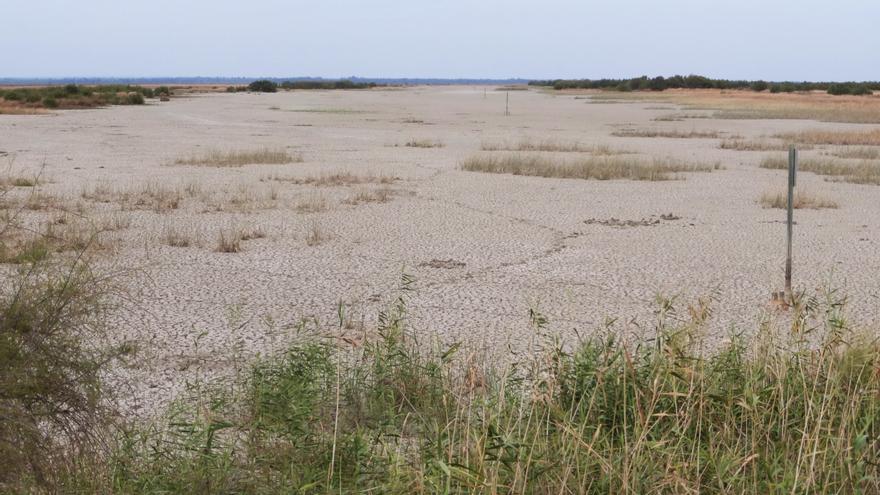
600	168
389	414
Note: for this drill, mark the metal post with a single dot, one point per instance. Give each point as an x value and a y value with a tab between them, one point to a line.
792	173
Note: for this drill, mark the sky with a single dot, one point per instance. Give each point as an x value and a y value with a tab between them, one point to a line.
537	39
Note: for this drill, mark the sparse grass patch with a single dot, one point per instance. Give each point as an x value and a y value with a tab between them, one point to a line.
336	179
311	203
365	195
675	134
589	168
862	172
551	145
175	235
757	145
841	138
263	156
423	143
861	153
802	200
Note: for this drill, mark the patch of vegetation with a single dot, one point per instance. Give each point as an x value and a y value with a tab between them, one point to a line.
217	158
551	146
660	83
423	143
849	89
590	168
263	86
841	138
793	410
325	84
756	145
73	96
802	200
862	153
862	172
674	133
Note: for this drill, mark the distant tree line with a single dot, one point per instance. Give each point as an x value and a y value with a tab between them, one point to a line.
268	86
692	81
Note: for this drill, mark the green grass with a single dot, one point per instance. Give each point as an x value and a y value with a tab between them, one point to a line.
792	410
599	168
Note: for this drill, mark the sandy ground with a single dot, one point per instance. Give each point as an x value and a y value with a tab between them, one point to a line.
509	243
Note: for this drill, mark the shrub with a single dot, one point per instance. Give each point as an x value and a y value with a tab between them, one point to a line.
759	86
50	404
71	89
135	99
50	102
11	95
162	91
263	86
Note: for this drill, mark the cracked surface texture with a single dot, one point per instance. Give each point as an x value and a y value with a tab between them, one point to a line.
484	248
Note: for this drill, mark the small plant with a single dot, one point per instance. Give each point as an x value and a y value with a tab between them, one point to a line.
315	234
229	240
176	236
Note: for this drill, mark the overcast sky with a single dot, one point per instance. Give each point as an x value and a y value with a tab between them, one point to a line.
748	39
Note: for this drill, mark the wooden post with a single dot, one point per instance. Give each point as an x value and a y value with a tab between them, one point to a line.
507	104
792	173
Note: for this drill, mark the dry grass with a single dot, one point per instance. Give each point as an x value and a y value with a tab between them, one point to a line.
315	234
177	235
423	143
364	195
336	179
745	104
229	240
148	196
551	145
218	158
18	181
842	138
311	203
757	145
802	200
674	134
861	172
861	153
589	168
